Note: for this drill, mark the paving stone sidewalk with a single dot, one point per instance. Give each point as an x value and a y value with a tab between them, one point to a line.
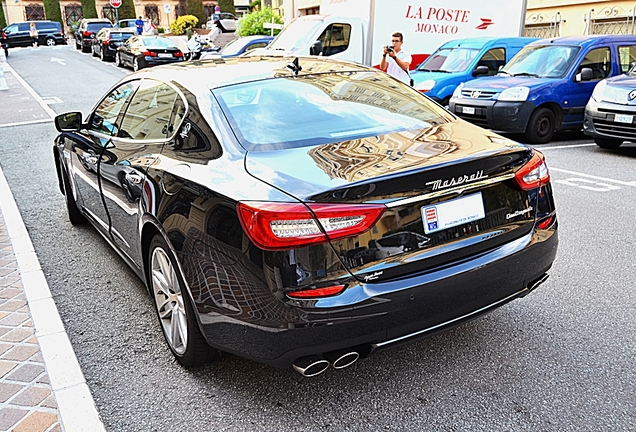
27	402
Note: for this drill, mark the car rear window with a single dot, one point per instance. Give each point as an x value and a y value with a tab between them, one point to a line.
158	42
95	27
323	108
120	35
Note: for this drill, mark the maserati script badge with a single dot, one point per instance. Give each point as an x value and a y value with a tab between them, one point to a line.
456	181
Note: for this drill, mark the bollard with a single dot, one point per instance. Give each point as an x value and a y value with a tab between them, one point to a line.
3	81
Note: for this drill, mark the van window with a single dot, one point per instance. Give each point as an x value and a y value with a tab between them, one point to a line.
23	27
46	26
627	56
600	61
542	61
335	39
11	29
493	59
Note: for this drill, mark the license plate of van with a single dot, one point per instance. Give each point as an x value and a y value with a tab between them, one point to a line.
468	110
452	213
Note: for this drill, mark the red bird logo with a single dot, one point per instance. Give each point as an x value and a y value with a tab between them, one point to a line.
485	22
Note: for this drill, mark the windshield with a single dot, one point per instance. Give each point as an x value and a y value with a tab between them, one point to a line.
330	107
545	61
449	60
233	48
296	35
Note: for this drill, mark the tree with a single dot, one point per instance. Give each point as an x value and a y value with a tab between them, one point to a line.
227	6
3	20
88	9
252	23
195	8
127	10
52	11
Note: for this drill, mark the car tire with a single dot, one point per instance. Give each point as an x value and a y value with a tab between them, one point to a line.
137	64
445	103
118	62
85	49
50	42
78	44
174	307
102	57
93	53
75	216
608	143
541	126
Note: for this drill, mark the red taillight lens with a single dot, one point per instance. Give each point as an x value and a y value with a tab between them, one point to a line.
546	223
276	226
149	54
317	292
533	174
178	54
106	41
87	34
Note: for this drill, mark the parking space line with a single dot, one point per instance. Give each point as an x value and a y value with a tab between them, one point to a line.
565	146
36	96
620	182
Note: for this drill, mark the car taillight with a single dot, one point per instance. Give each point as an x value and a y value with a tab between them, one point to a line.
87	33
178	54
276	226
316	292
106	41
534	173
149	54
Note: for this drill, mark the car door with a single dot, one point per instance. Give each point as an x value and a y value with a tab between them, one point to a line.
143	132
125	54
91	144
599	59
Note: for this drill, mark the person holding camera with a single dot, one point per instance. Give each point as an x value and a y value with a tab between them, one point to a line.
398	62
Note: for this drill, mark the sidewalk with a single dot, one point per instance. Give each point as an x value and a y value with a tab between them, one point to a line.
42	387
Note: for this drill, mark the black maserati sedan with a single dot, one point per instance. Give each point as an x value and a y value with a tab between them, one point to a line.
304	212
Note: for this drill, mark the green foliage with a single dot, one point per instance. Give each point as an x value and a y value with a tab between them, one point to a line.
3	20
255	5
52	11
127	10
252	23
88	9
161	30
227	6
195	8
183	23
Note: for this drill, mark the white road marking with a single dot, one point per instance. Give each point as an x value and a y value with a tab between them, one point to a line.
603	179
588	184
565	147
58	60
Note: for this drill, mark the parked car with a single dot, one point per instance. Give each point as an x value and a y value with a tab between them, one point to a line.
239	46
108	40
18	34
127	23
242	193
139	52
87	30
225	21
610	112
545	87
461	60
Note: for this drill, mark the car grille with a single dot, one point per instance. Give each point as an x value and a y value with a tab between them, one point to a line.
607	126
477	94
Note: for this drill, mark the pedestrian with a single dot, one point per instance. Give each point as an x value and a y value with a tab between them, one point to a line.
217	9
139	23
33	33
149	28
398	62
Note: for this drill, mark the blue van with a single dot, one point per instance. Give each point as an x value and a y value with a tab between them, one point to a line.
461	60
545	87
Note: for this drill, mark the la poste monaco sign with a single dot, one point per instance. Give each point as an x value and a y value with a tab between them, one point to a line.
115	3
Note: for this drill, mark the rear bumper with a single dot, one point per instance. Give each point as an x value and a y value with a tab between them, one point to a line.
385	314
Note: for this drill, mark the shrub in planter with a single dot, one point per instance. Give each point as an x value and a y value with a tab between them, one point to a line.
183	23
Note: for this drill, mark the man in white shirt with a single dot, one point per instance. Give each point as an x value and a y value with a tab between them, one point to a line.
398	62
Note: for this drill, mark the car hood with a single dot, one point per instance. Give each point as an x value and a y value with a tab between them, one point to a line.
419	76
624	81
315	173
500	83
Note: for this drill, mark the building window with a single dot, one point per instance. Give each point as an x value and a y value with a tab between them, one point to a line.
152	11
542	26
34	12
110	13
611	20
72	14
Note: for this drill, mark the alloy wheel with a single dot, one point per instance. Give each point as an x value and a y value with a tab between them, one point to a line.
169	300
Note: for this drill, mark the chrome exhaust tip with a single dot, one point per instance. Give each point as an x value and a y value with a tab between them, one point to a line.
342	358
534	284
310	366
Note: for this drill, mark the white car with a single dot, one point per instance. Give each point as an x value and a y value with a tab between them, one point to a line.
226	22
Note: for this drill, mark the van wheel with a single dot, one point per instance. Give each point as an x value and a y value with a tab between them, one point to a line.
50	42
541	126
608	143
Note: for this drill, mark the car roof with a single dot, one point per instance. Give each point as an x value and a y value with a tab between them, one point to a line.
207	75
585	40
479	42
120	29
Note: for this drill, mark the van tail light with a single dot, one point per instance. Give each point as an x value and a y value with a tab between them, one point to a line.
534	173
149	54
314	293
277	226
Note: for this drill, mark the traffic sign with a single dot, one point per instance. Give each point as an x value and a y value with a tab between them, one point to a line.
115	3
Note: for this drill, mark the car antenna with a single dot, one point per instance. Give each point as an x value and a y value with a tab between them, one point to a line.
295	66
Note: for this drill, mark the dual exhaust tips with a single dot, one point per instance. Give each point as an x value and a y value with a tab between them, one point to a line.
315	365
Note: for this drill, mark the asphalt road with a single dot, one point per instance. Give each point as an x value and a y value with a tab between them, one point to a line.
560	359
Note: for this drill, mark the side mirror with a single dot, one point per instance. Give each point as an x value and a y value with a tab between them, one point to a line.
69	122
316	48
586	74
481	70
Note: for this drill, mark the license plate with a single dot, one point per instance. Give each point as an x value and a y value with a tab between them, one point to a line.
164	55
621	118
453	213
468	110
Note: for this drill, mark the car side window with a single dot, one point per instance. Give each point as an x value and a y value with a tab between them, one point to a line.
335	39
493	59
600	61
104	118
148	115
627	56
256	46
